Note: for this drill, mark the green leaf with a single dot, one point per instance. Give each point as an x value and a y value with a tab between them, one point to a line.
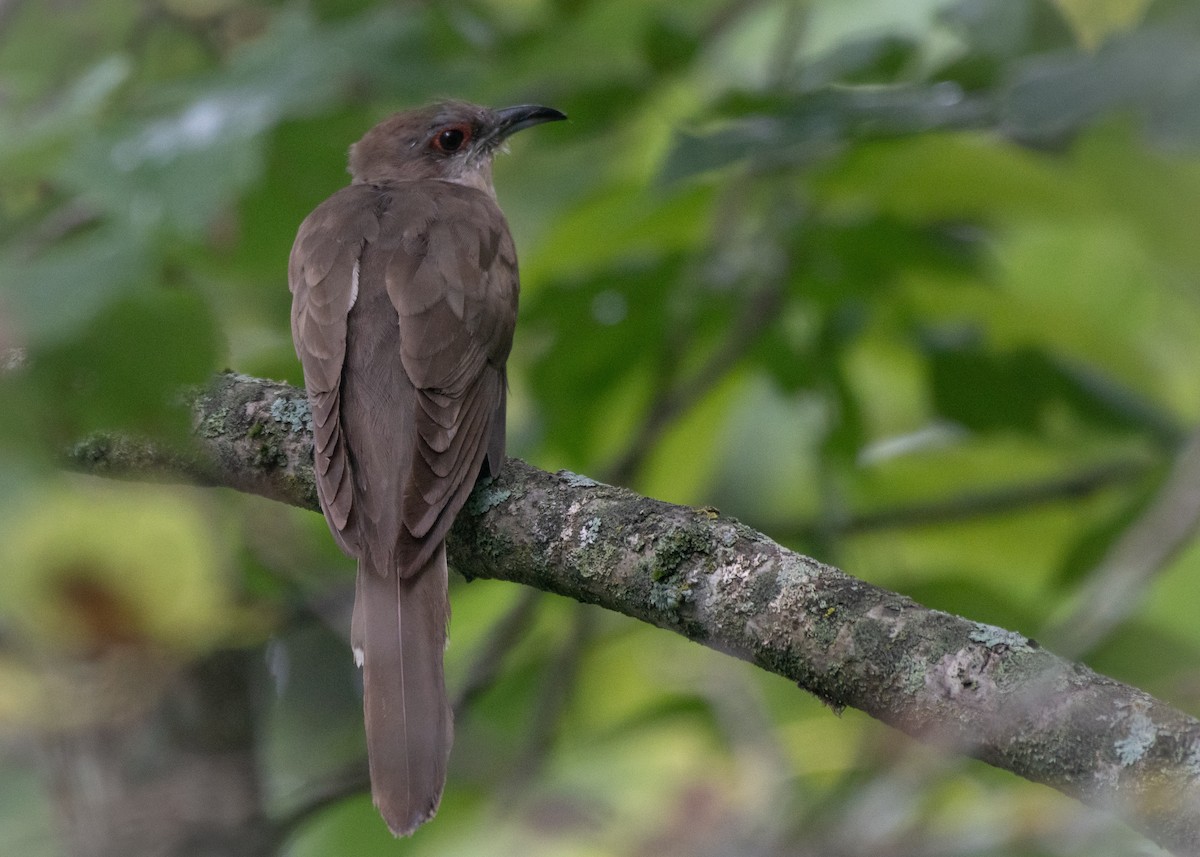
84	568
180	166
1095	20
882	58
127	368
1025	390
669	43
602	330
998	30
1152	74
51	294
816	126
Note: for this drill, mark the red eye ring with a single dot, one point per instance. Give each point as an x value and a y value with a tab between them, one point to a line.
450	139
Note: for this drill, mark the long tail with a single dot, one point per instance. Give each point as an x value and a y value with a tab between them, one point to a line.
399	635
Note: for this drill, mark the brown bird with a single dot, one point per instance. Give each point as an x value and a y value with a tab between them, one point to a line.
404	297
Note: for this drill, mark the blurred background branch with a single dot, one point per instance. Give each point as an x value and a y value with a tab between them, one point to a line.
1114	588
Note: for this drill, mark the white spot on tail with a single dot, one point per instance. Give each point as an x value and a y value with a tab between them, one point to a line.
354	291
358	657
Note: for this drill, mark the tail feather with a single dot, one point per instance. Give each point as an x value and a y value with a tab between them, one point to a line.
399	635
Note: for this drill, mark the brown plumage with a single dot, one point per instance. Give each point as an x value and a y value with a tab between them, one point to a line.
404	297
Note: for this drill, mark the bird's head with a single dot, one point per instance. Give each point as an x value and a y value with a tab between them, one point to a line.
452	141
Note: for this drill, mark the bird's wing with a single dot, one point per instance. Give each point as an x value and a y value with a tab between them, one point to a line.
323	277
452	278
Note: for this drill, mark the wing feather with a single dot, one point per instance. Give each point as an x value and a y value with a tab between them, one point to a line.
321	276
453	282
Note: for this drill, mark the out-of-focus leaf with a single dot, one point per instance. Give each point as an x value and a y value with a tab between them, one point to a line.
1020	390
1168	601
670	44
173	174
126	370
1094	20
839	260
176	49
683	463
628	59
32	142
1018	545
600	330
958	177
775	477
84	570
180	167
820	124
44	49
1102	294
982	600
271	211
879	59
622	225
50	295
846	429
847	272
1152	74
315	727
993	33
997	30
1160	660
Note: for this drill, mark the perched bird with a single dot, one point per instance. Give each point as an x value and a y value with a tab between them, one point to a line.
404	297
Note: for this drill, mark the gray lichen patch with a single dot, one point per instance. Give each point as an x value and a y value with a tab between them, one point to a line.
590	552
794	585
575	480
486	496
1141	733
993	637
293	412
739	584
793	573
588	531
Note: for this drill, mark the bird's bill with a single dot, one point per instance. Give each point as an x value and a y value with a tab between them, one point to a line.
514	119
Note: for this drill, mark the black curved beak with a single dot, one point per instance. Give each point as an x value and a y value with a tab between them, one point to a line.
514	119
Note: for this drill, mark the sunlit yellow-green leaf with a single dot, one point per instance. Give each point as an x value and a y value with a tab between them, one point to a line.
94	565
1094	20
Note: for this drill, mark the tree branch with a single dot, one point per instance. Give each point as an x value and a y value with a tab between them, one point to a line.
1116	586
973	688
968	506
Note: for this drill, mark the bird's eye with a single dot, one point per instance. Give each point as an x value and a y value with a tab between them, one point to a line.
450	140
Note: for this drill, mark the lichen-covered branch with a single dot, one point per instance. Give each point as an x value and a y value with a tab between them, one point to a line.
976	689
251	434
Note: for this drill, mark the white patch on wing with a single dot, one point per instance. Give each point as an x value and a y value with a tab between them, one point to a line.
358	657
354	287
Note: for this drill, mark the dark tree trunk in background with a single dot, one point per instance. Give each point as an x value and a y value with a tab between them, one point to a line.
176	779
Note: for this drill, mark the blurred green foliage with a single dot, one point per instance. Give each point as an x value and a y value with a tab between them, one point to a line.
911	286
